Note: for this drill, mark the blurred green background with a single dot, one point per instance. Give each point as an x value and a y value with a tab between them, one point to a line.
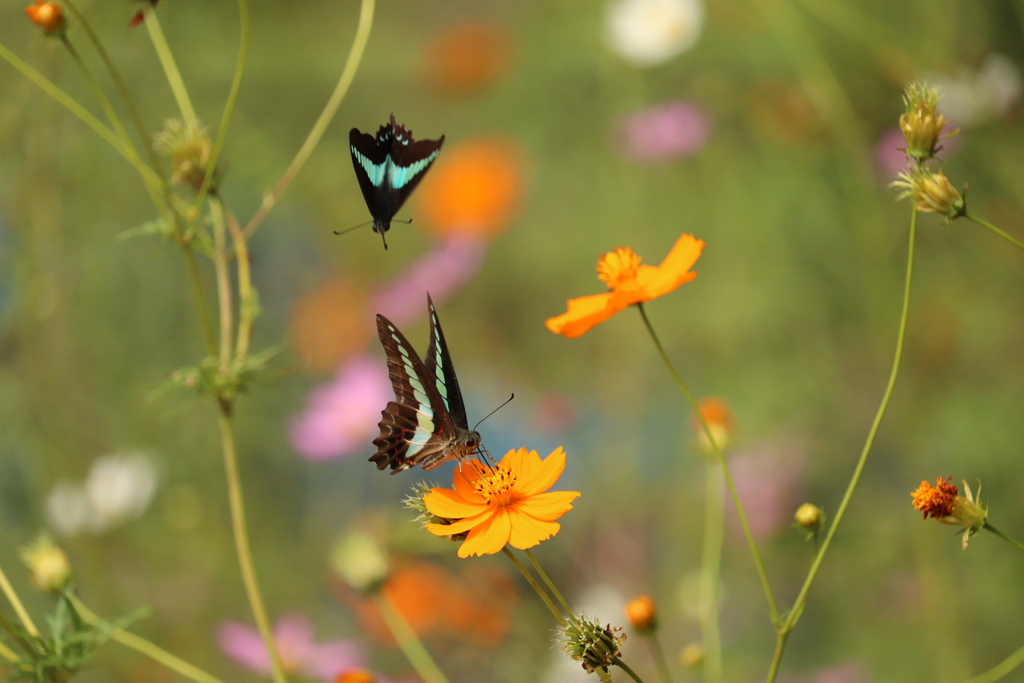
792	319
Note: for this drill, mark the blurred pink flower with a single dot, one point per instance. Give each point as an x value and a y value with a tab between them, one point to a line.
341	417
299	653
674	130
440	272
768	481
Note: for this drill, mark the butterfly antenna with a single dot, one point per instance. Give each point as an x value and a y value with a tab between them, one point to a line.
356	227
494	411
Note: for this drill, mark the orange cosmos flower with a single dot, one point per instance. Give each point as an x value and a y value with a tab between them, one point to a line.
48	16
508	504
629	283
944	503
467	56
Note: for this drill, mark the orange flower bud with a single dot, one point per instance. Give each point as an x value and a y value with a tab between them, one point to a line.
642	614
49	16
718	416
356	676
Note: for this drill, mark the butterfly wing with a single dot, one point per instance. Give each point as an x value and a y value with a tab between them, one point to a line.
416	427
439	364
410	160
370	158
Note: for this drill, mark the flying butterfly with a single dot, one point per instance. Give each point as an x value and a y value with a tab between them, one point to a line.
426	424
389	167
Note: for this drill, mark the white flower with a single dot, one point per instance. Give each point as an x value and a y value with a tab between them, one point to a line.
118	489
649	32
970	98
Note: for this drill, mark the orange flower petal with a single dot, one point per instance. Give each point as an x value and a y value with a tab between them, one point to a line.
458	527
465	476
673	271
547	506
522	462
528	532
544	475
450	505
585	312
489	537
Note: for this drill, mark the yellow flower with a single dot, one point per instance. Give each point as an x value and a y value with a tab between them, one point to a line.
944	503
508	504
48	566
49	16
931	191
629	283
921	125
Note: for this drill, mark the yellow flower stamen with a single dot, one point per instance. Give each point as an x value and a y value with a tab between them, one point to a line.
618	268
496	486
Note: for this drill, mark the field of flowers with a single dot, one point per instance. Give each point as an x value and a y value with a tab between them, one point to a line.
745	267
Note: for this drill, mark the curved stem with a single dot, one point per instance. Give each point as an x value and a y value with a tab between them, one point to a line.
407	639
143	646
801	599
170	67
1000	534
241	534
355	55
711	561
985	224
773	610
1001	669
229	106
632	674
536	586
19	609
659	659
550	584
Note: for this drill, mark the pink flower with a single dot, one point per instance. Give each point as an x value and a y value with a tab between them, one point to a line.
440	272
341	417
299	653
666	132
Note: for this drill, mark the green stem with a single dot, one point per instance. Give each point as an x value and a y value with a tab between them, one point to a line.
711	561
28	647
247	303
72	105
548	582
229	106
632	674
143	646
220	264
537	587
772	609
19	609
355	55
9	654
659	658
1003	536
204	312
604	676
985	224
1001	669
801	600
163	53
410	643
241	534
781	636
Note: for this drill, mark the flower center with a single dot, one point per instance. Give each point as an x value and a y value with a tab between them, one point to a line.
936	501
618	268
496	486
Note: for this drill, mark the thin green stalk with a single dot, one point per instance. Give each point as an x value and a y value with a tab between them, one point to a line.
229	106
19	609
604	676
632	674
410	643
801	600
759	565
204	312
247	302
241	534
1003	536
143	646
9	654
985	224
28	647
72	105
659	658
710	571
536	586
220	265
355	55
550	584
1001	669
163	53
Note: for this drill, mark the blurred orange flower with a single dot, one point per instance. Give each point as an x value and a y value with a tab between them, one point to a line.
509	504
467	56
330	324
356	676
48	16
629	283
473	189
718	416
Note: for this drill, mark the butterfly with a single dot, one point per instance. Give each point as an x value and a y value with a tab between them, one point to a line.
426	424
389	167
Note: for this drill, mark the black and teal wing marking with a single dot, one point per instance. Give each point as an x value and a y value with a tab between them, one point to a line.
439	364
389	167
416	428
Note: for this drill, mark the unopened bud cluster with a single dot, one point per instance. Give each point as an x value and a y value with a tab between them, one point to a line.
48	566
931	191
188	147
48	16
594	646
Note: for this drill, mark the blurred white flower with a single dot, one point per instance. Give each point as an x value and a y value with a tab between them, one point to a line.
970	98
118	489
649	32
